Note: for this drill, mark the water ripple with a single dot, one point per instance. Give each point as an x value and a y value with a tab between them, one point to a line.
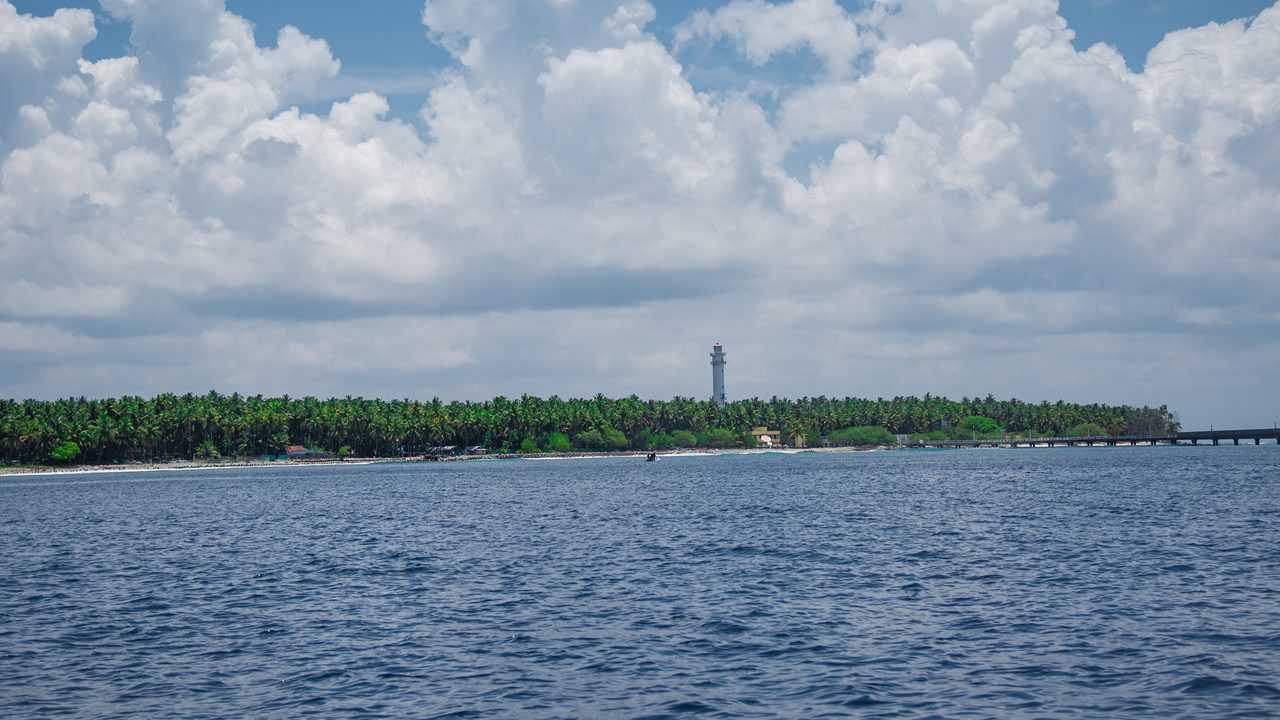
1129	582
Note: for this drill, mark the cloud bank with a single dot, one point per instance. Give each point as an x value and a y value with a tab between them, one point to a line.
957	201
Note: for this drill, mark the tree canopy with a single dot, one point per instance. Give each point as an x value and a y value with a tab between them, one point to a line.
184	426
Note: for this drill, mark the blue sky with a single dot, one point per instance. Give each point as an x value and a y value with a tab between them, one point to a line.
383	45
957	199
1135	26
385	39
1132	26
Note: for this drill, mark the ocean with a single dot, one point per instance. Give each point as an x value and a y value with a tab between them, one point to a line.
1065	582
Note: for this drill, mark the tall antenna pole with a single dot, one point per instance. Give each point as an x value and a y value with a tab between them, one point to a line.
717	375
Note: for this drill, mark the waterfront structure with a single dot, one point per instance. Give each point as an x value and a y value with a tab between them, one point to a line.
766	437
1176	438
717	375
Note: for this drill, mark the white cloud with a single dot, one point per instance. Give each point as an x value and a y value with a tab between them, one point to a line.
661	136
983	198
36	53
763	30
245	83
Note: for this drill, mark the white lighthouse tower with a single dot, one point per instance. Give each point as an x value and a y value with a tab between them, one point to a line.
717	375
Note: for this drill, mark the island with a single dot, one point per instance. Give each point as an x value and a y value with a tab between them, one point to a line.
221	428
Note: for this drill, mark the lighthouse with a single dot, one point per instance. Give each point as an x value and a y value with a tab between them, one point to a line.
717	375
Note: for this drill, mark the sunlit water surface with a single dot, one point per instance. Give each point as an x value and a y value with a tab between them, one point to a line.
1102	582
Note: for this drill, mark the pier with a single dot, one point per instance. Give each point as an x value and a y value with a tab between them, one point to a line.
1214	437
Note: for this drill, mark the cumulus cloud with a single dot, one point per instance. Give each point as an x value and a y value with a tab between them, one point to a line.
987	205
763	30
36	54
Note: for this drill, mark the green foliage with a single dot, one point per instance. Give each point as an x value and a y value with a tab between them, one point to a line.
177	426
607	438
206	449
862	436
719	438
529	445
658	441
278	442
684	438
614	439
981	426
589	440
1088	429
933	435
556	442
344	451
65	452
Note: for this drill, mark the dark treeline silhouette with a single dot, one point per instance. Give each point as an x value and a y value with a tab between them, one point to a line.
183	426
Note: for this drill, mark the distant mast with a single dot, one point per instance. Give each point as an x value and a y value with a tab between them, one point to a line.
717	375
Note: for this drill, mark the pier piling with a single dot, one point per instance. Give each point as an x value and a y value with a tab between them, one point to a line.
1190	438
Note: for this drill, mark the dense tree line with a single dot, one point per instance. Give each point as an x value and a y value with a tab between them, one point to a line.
174	426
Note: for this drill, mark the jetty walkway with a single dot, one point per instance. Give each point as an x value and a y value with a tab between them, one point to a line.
1181	438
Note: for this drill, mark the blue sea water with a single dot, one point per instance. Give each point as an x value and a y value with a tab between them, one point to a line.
1072	582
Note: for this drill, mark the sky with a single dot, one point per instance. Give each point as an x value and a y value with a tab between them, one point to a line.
469	198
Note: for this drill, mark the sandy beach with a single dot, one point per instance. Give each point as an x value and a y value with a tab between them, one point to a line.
176	465
232	463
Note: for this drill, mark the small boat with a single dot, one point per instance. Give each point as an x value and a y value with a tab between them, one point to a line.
651	457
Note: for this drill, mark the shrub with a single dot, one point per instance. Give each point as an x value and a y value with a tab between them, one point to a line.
684	439
719	438
659	441
1086	430
606	438
934	435
614	439
529	445
983	426
65	452
588	440
863	436
556	442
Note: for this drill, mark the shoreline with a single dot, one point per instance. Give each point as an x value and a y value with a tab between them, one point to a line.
176	465
179	465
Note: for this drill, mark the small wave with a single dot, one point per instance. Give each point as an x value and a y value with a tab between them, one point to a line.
723	627
1205	684
1260	690
928	555
945	585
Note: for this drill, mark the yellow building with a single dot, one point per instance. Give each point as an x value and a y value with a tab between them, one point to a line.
766	437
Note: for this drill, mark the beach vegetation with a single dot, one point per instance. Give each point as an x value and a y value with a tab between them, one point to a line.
932	435
980	426
720	438
207	449
614	439
1088	429
589	440
65	452
655	441
169	426
684	439
556	442
862	436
